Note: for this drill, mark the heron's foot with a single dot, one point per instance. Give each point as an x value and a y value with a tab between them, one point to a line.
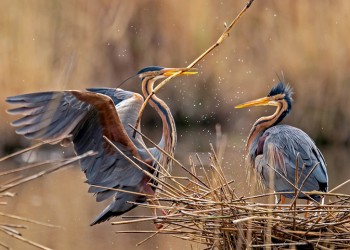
165	213
306	215
158	225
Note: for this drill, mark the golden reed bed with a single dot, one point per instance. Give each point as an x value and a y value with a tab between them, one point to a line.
204	208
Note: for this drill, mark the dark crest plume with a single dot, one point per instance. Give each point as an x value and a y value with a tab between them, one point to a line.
282	88
150	68
147	69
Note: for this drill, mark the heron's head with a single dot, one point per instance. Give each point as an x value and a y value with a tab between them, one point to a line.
161	72
279	94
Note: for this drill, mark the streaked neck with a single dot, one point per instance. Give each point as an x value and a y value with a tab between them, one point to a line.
169	136
266	122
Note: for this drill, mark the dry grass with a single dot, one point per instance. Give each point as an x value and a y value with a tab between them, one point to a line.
14	177
59	45
204	208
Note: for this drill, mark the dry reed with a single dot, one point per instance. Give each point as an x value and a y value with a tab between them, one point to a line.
14	177
205	208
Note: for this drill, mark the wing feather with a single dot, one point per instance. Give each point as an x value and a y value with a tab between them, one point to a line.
87	116
128	109
285	148
109	120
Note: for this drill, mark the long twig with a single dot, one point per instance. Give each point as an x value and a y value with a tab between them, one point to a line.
19	237
31	148
339	186
28	220
44	172
223	36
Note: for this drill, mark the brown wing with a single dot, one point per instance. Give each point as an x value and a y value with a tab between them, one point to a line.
109	120
87	117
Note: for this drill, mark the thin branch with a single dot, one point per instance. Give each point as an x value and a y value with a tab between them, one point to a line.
223	36
44	172
19	237
31	148
339	186
28	220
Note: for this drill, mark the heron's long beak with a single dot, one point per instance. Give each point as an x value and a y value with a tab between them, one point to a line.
265	101
185	71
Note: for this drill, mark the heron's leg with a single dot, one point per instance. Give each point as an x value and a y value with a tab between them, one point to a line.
306	213
155	215
155	203
322	203
282	199
151	191
277	198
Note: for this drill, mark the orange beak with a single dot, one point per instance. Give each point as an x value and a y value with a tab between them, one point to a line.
265	101
184	71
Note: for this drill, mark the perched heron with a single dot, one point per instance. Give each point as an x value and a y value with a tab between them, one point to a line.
275	151
88	116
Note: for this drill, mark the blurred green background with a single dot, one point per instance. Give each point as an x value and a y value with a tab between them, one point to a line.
56	45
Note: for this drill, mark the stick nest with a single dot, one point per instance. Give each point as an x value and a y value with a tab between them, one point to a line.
205	208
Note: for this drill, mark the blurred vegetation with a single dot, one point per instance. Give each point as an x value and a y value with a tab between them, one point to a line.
75	44
56	45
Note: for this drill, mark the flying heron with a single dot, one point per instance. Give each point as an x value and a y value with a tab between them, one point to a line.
280	152
88	116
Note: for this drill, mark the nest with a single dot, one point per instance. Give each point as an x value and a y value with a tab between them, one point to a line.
204	208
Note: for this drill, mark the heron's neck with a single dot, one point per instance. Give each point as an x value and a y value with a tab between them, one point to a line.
169	136
266	122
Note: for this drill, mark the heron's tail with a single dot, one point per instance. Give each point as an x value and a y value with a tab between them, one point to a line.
119	206
104	216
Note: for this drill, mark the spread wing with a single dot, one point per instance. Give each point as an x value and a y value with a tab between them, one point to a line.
286	147
87	116
128	105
